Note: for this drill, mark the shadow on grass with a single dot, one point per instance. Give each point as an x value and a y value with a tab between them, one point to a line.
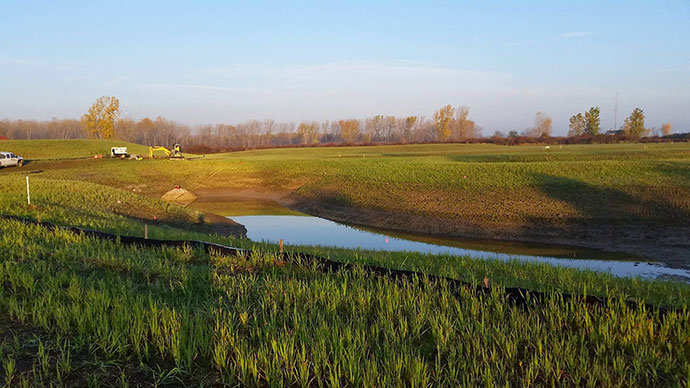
646	224
610	205
209	224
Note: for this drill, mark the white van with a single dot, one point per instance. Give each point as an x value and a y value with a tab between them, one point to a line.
118	152
8	159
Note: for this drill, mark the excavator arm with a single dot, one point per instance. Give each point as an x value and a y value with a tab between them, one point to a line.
158	148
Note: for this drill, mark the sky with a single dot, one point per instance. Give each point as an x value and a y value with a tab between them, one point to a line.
200	62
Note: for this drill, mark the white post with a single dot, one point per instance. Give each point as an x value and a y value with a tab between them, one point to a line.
28	194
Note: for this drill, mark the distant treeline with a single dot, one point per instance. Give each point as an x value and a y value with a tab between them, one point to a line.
253	133
448	124
201	148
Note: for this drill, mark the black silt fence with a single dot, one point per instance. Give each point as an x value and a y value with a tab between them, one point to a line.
516	295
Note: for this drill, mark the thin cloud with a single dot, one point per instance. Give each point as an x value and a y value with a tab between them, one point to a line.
19	61
574	34
160	86
30	63
529	42
339	70
553	38
119	80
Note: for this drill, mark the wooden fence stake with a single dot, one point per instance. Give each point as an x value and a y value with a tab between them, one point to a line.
28	194
281	245
146	231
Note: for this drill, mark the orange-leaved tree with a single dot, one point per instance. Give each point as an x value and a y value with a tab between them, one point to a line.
443	122
99	121
349	130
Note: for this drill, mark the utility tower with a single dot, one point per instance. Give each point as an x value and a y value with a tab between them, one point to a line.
615	114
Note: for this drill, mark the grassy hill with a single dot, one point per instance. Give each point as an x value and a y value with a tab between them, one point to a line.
619	197
90	205
64	149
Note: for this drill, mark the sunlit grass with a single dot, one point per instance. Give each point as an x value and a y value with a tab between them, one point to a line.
60	149
109	313
504	187
89	205
78	311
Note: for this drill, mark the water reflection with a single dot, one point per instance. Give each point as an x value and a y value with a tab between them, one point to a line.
299	230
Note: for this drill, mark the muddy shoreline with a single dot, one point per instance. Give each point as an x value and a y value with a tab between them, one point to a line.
663	243
667	244
223	225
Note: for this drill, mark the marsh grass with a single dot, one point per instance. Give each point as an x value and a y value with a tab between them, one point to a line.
108	315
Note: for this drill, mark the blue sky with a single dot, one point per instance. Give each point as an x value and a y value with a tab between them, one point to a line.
220	61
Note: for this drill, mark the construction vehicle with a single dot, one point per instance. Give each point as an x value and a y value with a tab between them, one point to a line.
175	153
118	152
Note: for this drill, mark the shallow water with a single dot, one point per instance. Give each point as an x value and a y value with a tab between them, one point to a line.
307	230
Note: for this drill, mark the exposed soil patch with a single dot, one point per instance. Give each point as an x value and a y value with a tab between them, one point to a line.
213	223
663	243
233	202
205	195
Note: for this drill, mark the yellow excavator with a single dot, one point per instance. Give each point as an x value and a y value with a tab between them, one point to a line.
175	153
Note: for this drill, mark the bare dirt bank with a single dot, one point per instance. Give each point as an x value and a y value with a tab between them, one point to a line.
211	222
223	226
228	202
663	243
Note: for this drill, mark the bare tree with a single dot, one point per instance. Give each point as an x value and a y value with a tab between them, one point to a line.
268	127
407	126
462	126
308	132
425	130
542	126
389	129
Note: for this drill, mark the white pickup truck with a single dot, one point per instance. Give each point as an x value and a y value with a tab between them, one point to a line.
8	159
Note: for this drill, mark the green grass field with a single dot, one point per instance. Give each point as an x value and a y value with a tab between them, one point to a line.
83	312
63	149
94	206
485	182
617	197
76	311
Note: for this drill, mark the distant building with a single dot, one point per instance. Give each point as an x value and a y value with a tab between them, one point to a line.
614	132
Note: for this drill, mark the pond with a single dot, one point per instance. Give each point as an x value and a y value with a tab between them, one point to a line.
307	230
